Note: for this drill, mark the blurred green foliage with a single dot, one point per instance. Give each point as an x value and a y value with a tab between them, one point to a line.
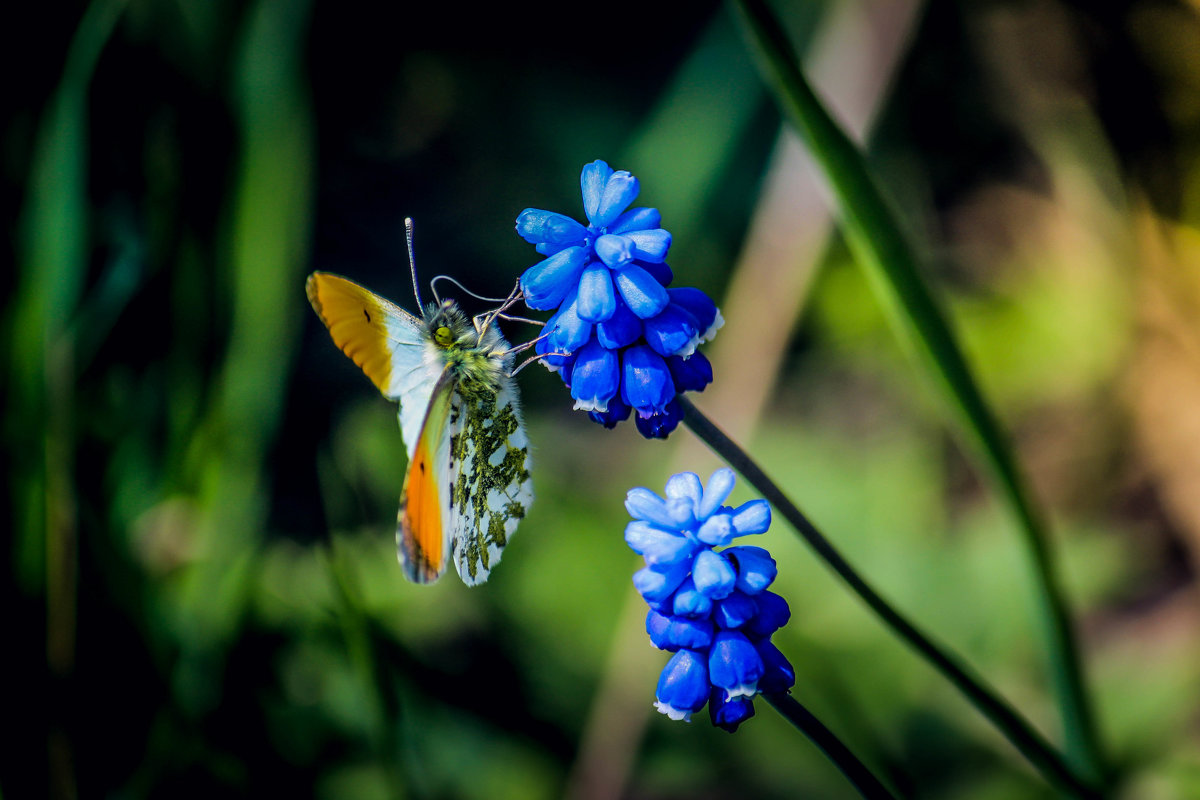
203	591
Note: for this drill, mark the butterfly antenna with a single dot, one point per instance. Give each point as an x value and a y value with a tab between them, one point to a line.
465	289
412	263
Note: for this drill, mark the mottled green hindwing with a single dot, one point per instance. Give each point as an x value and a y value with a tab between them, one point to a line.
490	487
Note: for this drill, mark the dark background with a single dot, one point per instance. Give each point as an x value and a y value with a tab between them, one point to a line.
203	596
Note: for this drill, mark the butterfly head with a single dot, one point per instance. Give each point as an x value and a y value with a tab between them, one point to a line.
448	326
478	356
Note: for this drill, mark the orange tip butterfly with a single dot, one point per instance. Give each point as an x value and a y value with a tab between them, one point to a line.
468	483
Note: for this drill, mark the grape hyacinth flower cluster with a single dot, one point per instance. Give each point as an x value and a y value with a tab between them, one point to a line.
621	338
709	607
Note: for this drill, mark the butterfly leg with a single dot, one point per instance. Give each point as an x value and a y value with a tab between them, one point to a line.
490	316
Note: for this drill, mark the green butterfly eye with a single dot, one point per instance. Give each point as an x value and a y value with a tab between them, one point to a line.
442	336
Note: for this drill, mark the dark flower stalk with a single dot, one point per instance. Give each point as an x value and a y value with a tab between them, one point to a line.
849	764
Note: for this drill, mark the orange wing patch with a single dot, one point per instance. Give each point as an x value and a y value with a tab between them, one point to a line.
419	523
422	538
356	320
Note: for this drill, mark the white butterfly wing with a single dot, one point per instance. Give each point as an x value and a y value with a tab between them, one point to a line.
491	487
413	382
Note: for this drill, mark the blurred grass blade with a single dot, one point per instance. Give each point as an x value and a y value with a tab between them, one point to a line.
878	243
51	262
379	701
52	254
269	227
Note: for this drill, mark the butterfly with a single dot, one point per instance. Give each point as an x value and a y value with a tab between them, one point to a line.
468	479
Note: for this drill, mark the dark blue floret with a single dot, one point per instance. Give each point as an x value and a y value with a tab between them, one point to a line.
646	383
773	614
617	412
673	331
735	611
729	714
683	686
691	374
660	272
734	664
566	332
660	425
595	377
672	633
778	673
621	329
701	307
555	360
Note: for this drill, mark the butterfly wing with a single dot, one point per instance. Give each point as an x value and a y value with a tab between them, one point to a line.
384	340
467	484
423	524
492	489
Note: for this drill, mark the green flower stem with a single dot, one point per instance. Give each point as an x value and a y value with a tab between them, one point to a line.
1015	728
877	242
855	771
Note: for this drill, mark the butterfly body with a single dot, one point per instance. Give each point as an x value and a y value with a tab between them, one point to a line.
480	360
467	485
